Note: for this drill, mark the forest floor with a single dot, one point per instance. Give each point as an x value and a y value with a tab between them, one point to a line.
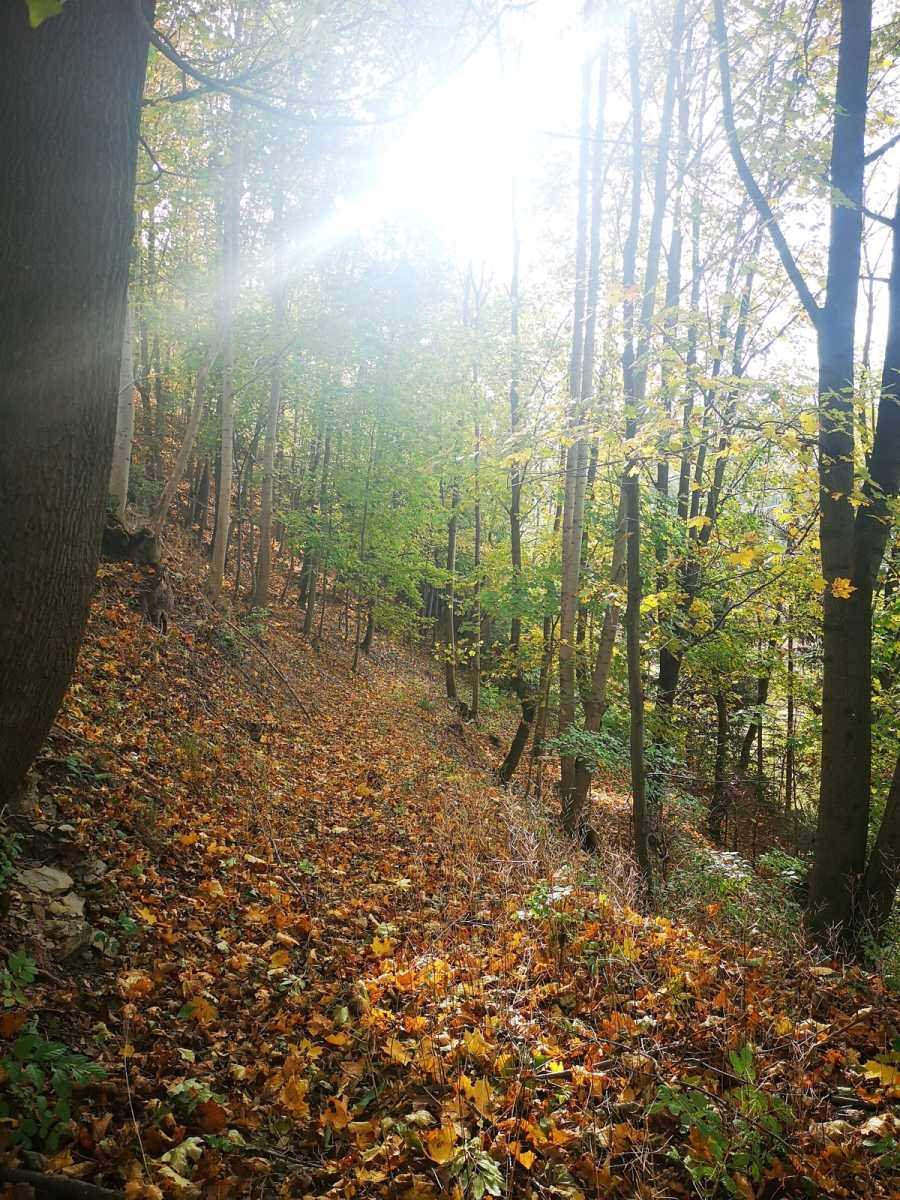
320	952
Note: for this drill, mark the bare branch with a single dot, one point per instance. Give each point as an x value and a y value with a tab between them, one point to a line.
770	222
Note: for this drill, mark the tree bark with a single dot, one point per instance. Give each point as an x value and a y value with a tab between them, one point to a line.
719	806
121	463
70	94
184	453
230	256
279	308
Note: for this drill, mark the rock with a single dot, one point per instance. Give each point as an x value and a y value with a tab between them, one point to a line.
92	870
70	934
68	905
44	879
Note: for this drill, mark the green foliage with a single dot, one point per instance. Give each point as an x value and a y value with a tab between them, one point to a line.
738	1135
602	749
41	1077
253	623
476	1172
15	977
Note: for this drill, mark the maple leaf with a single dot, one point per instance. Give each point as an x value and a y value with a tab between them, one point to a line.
336	1113
842	589
200	1010
439	1143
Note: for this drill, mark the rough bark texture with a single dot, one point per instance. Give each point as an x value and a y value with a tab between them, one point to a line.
844	797
70	96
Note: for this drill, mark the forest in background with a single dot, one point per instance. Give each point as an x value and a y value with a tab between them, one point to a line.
560	343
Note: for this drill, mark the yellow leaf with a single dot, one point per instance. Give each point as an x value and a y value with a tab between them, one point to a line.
202	1010
280	958
479	1093
336	1113
476	1045
293	1097
397	1051
741	558
212	887
883	1071
382	946
554	1067
526	1158
783	1025
146	915
842	589
439	1143
809	422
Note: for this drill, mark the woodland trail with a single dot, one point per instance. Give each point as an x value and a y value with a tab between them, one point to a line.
330	957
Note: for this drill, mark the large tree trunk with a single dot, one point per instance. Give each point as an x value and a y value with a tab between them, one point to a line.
70	96
121	464
846	774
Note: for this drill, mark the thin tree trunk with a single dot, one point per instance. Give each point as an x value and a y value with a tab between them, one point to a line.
450	609
231	249
279	308
576	466
121	464
184	453
719	807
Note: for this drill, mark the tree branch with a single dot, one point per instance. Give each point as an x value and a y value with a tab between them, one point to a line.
882	149
770	222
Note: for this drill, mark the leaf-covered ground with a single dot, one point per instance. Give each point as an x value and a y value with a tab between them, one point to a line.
329	956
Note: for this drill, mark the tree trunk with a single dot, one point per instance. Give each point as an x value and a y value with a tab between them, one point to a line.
718	808
70	96
526	700
846	768
631	485
230	255
450	609
121	464
575	468
264	562
184	453
883	872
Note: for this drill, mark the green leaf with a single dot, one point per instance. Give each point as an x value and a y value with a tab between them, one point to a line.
40	10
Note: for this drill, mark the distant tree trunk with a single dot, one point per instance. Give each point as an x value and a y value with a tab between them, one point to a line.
450	607
311	560
184	453
231	224
121	464
631	485
719	806
70	96
279	307
476	598
526	699
575	466
363	532
789	770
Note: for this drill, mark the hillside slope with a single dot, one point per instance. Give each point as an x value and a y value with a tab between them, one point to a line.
320	952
